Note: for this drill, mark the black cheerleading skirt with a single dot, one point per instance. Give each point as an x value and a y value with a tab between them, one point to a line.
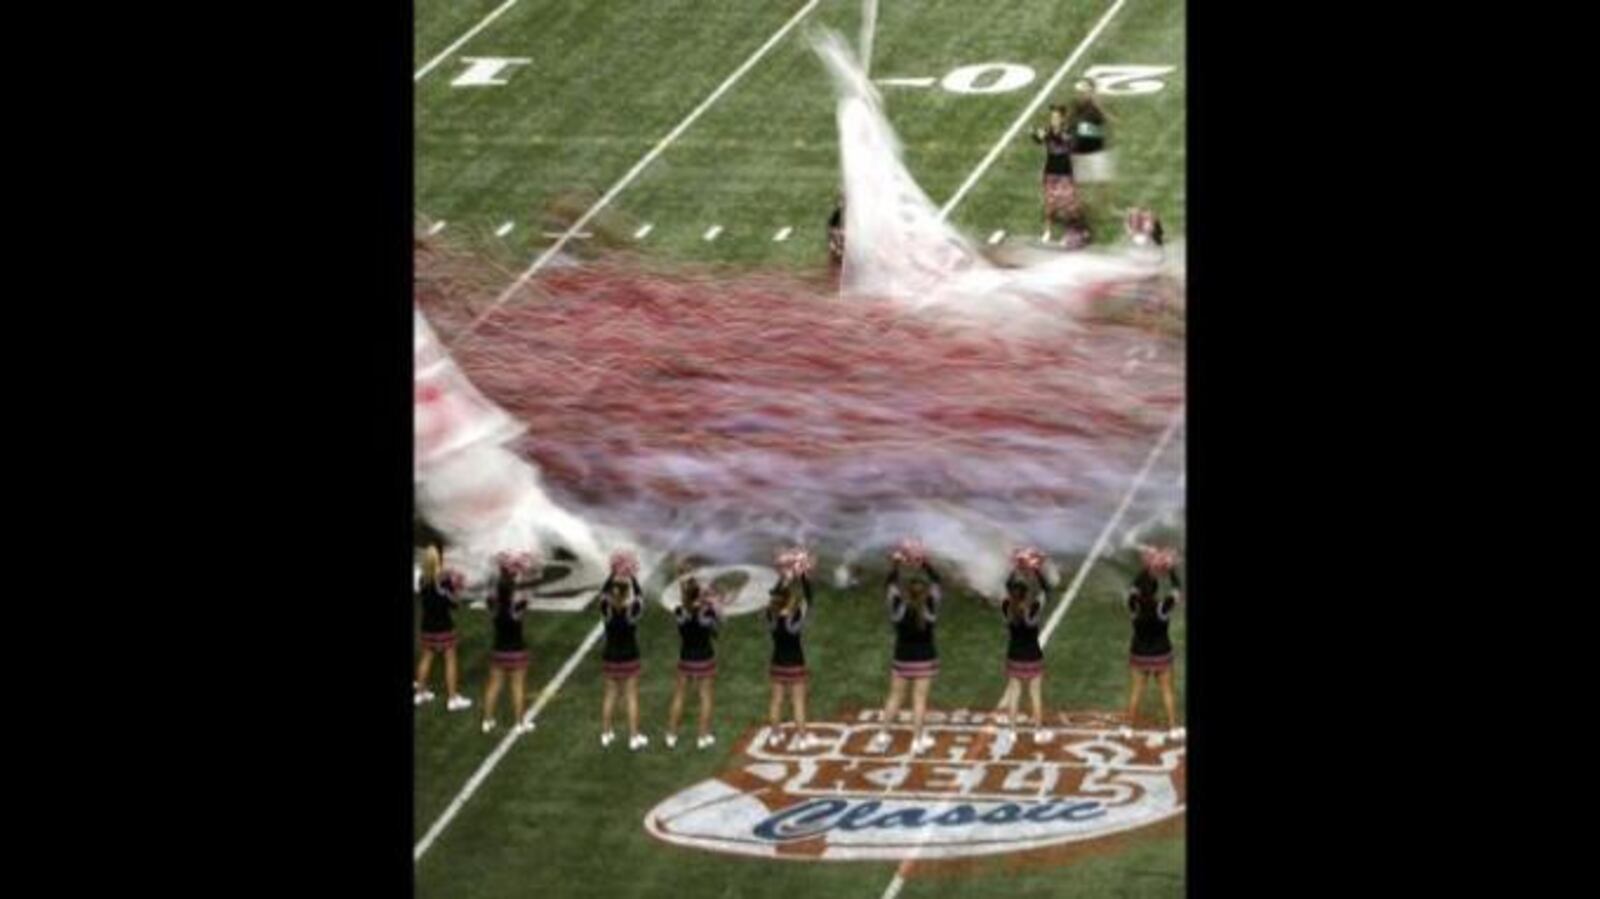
1024	670
1160	662
695	670
438	641
788	674
917	670
509	659
621	670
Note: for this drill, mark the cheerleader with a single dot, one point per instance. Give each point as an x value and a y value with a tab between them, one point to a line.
698	623
509	656
913	612
1150	656
1060	191
1022	608
440	593
786	617
621	607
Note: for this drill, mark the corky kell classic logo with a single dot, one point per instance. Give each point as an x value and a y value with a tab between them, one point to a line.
974	793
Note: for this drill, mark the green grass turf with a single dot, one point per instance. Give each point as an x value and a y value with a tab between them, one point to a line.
558	816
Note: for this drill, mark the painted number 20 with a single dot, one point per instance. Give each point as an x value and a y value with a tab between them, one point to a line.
1127	79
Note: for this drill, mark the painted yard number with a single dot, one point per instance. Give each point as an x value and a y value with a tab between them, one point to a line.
1002	77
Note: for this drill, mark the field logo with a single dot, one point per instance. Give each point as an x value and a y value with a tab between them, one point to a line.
975	793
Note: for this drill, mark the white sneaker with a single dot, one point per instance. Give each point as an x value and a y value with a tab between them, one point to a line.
1178	733
458	702
705	741
671	740
1006	740
1125	732
525	727
775	739
488	725
606	739
1160	739
638	742
921	745
879	742
422	696
1043	736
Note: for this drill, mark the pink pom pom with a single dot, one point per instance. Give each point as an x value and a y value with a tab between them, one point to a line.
624	564
795	562
910	551
516	562
1158	559
1028	559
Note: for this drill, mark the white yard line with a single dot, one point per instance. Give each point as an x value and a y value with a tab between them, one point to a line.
504	229
783	234
643	231
1032	107
1095	552
437	227
430	64
869	28
712	232
627	179
499	752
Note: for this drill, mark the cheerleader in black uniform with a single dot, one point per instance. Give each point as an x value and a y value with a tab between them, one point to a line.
786	617
1150	656
1061	202
440	593
698	623
621	607
913	612
509	655
1022	608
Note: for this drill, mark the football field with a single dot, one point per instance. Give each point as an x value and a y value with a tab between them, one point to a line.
704	133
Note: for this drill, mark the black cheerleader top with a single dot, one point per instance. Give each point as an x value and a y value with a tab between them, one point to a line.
508	623
696	630
1022	619
622	625
1058	147
913	633
786	649
1151	616
438	601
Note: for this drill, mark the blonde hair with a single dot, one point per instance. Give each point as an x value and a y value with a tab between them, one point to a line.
431	562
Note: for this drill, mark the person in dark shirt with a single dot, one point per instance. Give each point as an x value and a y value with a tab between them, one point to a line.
913	611
1060	191
787	608
508	658
1022	608
1150	655
698	623
1086	120
836	236
621	607
440	593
